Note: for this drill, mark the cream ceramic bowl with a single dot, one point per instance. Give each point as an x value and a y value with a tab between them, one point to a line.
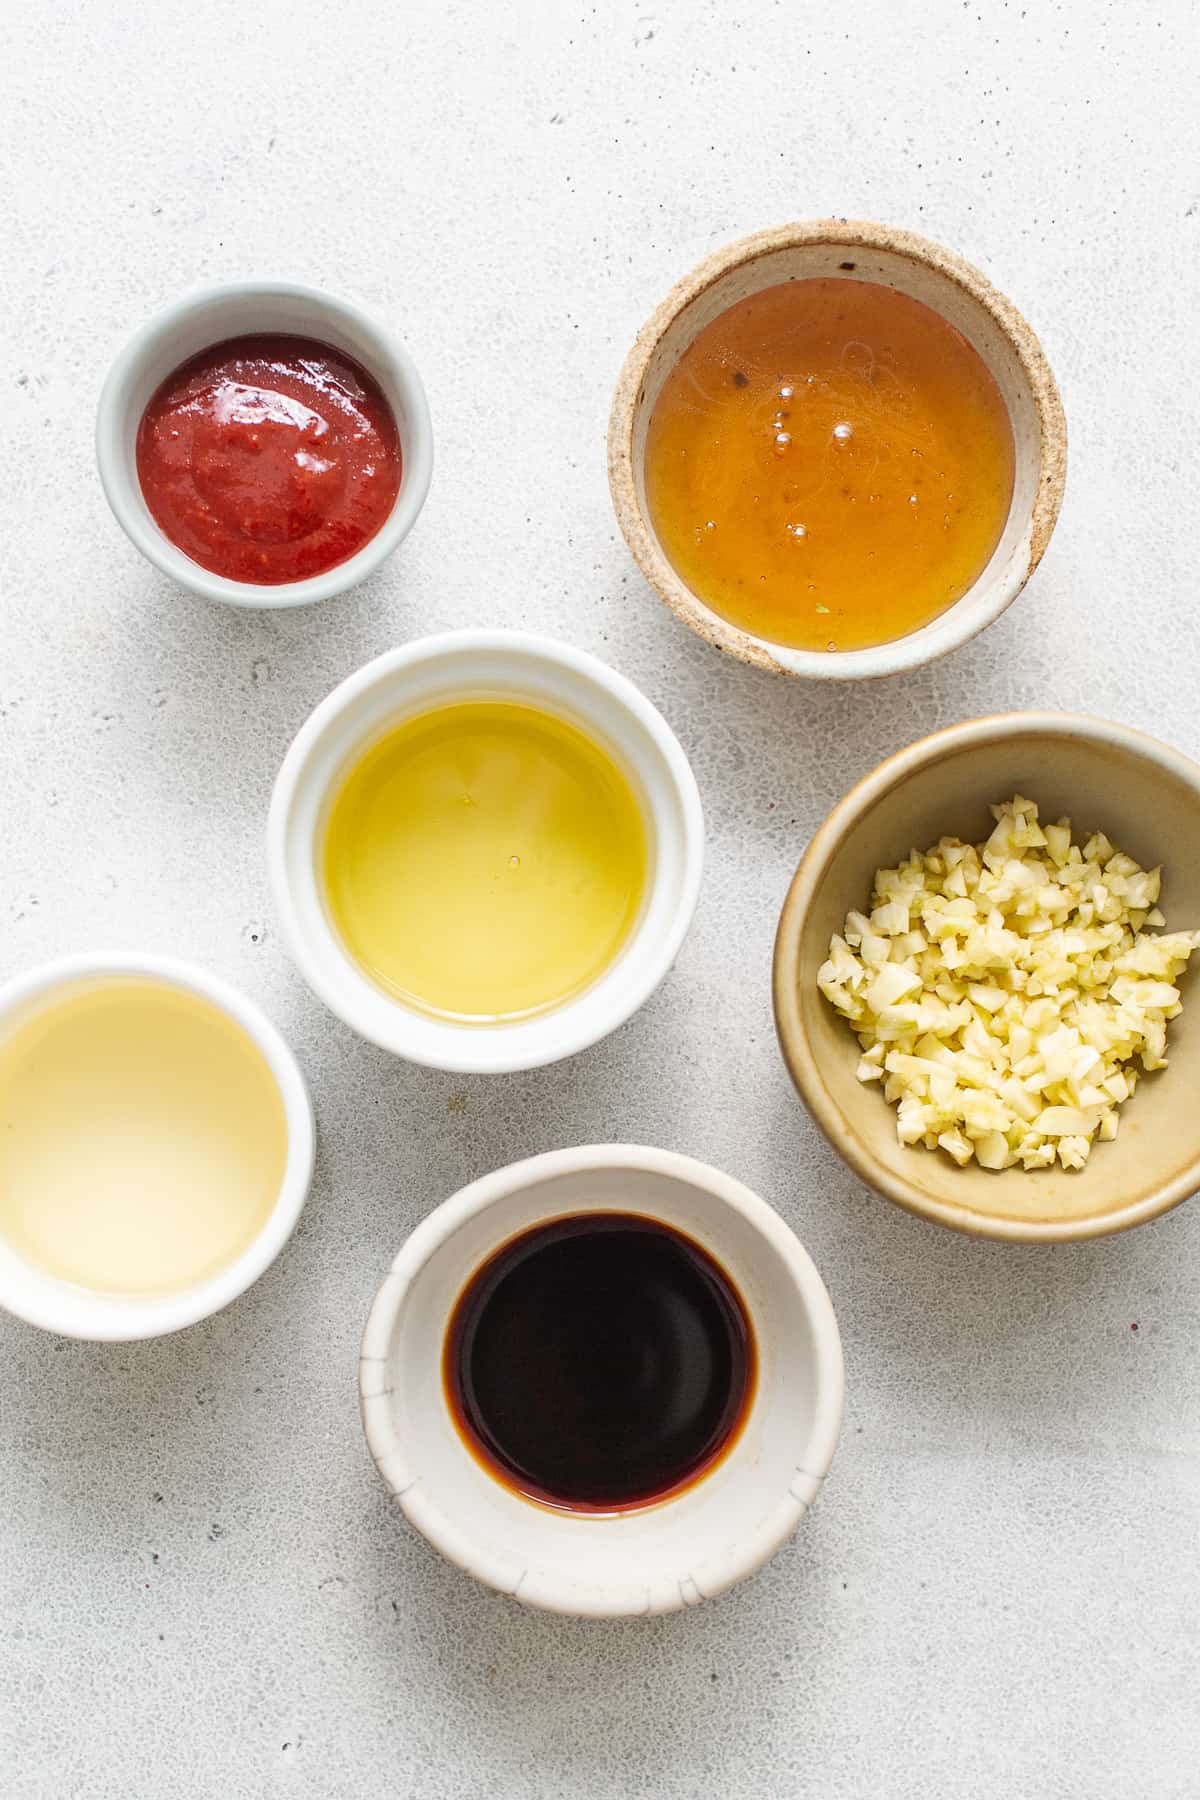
59	1306
235	309
1146	796
505	665
649	1560
854	251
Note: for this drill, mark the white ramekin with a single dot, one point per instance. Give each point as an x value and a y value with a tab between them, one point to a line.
506	665
59	1306
653	1559
235	309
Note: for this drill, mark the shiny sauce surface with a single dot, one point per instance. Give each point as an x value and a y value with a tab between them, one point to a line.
599	1362
269	459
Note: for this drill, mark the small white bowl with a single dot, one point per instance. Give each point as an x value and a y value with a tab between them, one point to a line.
657	1558
507	665
42	1299
236	309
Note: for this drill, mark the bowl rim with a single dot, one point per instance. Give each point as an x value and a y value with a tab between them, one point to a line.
112	451
797	1048
125	1318
440	1226
475	1056
958	625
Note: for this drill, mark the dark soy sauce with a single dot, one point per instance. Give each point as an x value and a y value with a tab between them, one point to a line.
599	1362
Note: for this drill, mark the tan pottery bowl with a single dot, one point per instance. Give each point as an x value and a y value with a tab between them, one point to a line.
1146	796
857	251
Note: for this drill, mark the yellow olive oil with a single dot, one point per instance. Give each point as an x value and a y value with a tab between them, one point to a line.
484	860
142	1137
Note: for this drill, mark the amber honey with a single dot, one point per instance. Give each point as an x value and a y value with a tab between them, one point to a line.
829	466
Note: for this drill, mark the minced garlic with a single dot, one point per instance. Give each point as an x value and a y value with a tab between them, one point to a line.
1002	993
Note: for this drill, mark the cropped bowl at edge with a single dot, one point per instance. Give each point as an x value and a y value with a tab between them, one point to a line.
1105	777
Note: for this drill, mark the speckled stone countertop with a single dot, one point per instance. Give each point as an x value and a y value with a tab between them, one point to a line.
204	1593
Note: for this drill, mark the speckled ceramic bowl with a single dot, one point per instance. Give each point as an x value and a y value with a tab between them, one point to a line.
855	251
1146	796
651	1559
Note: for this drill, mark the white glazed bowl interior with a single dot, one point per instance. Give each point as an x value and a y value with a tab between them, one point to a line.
485	665
239	308
31	1293
661	1557
940	288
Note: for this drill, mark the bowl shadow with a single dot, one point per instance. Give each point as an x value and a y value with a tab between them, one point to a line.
567	1697
979	1344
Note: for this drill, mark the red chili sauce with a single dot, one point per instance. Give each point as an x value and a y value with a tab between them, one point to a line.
269	459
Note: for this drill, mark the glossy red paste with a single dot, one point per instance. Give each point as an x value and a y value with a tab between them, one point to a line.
269	459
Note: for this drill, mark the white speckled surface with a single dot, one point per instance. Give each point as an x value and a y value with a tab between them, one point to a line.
202	1589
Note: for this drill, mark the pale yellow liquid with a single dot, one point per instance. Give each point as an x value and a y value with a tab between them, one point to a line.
484	861
142	1137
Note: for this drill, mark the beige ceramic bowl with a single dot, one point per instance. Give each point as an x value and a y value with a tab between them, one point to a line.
857	251
1147	797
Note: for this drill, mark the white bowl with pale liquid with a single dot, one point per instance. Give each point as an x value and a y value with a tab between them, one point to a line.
156	1145
545	676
